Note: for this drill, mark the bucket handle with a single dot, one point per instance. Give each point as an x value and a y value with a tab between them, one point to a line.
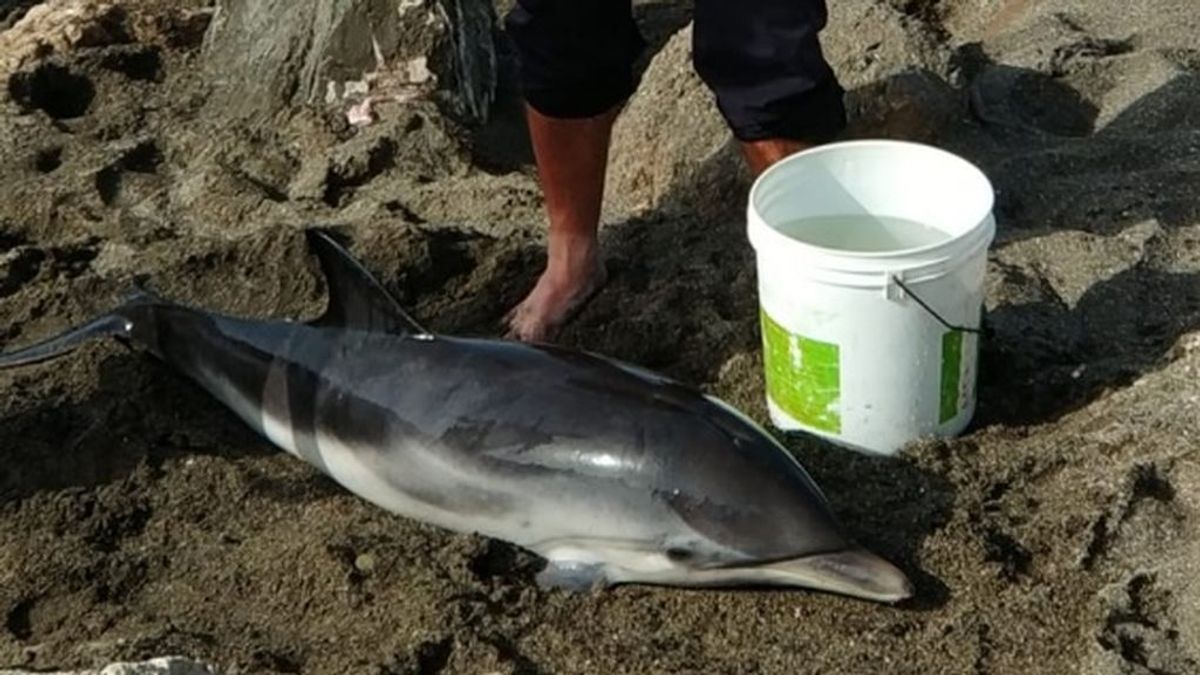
904	287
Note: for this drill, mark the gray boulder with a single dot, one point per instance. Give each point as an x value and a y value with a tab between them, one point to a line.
264	56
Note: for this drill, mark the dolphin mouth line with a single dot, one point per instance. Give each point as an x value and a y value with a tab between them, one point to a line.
753	563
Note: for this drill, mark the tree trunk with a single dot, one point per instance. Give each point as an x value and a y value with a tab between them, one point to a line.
264	56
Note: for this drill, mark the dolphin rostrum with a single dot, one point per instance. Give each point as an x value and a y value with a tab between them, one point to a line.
611	473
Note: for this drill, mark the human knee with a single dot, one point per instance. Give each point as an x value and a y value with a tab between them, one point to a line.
575	56
762	60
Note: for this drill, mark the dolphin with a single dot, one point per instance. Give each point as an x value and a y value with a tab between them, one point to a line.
611	473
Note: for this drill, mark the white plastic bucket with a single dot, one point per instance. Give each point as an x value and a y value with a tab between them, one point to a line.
848	354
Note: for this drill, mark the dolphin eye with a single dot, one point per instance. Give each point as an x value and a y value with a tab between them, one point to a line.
678	554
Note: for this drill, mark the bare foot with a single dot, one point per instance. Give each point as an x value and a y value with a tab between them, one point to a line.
572	277
571	157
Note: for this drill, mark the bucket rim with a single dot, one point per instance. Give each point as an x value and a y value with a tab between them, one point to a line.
756	221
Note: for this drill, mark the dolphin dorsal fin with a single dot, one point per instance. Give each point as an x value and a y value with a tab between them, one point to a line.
356	298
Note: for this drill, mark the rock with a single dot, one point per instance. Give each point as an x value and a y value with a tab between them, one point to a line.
264	56
364	562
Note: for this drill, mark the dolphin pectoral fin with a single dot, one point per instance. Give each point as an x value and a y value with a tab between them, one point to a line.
572	576
356	298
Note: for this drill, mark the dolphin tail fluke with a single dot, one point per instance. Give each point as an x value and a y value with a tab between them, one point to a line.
122	322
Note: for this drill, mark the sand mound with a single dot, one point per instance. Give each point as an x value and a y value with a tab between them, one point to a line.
138	518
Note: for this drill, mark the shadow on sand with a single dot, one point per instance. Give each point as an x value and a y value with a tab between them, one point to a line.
1049	357
141	413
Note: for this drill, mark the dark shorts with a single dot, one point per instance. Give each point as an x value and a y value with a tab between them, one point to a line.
760	58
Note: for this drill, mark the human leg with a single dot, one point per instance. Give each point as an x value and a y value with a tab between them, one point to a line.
571	155
576	70
763	61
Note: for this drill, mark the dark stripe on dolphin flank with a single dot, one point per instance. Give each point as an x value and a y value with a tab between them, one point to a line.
291	390
398	452
303	386
196	344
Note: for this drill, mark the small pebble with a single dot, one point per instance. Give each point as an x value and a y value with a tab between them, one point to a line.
365	562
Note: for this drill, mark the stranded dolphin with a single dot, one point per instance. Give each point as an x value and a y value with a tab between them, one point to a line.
611	473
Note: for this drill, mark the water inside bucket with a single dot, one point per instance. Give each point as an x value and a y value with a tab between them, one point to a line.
863	233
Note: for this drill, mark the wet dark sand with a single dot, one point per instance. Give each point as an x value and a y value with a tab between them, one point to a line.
139	518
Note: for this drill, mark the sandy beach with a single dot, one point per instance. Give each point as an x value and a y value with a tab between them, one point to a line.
139	518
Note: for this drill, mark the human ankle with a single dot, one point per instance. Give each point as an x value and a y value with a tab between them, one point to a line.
760	155
570	254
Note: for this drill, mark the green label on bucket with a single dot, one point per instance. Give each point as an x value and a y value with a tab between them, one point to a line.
952	344
803	376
